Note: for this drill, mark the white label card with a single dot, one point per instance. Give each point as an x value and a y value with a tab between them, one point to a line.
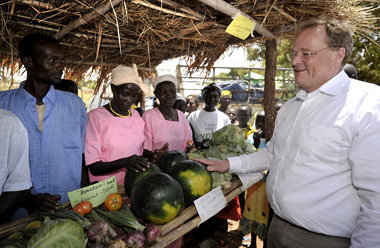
248	179
210	204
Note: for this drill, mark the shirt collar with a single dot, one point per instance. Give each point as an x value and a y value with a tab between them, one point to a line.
335	85
332	87
27	97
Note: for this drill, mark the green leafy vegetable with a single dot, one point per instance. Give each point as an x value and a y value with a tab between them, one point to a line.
226	142
58	233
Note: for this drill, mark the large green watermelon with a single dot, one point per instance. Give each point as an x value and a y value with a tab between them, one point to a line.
157	198
168	159
194	178
131	177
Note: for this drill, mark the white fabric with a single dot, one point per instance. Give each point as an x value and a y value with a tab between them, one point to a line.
205	123
163	78
14	154
324	161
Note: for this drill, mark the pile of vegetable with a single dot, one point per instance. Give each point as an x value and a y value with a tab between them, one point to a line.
111	225
226	142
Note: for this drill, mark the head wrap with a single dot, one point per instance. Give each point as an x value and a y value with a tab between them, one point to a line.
163	78
226	93
209	88
124	74
180	97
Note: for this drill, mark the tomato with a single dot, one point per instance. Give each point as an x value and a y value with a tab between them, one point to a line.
113	202
83	208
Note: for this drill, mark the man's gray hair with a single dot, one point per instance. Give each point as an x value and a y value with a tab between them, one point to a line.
339	33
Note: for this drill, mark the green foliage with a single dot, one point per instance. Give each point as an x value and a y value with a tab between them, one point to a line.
257	53
58	233
366	53
232	74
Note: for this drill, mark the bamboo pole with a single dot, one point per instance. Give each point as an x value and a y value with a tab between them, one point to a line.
168	11
88	17
231	11
183	8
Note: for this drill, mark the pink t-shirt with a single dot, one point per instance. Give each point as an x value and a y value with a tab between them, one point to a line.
110	138
159	131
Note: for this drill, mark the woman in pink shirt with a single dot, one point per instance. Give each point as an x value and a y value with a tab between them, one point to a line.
115	132
164	124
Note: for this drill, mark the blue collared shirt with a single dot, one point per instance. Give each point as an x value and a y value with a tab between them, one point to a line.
55	155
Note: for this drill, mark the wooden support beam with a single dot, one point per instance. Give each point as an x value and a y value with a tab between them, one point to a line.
88	17
41	4
168	11
231	11
183	8
282	12
270	87
202	25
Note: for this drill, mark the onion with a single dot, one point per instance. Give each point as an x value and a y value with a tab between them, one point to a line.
151	232
135	239
100	232
117	244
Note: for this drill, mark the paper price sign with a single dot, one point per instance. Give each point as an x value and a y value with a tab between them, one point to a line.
210	204
247	180
241	26
95	193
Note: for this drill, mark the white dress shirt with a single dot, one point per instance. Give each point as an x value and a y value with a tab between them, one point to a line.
324	161
14	154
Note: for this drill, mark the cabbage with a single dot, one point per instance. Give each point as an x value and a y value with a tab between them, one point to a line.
226	142
59	233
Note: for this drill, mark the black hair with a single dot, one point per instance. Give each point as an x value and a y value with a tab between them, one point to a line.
27	43
209	88
67	85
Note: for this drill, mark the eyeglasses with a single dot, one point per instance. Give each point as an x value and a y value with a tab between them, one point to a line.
308	55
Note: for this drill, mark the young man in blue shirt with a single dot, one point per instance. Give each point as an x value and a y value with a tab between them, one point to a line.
55	120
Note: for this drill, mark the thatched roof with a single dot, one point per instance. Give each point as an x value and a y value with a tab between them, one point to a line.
147	32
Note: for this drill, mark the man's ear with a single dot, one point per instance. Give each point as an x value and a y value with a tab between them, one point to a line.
340	54
27	62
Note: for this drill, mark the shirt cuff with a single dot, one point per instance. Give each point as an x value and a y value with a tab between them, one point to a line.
235	164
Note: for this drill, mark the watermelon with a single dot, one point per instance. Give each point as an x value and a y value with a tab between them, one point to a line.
194	178
168	159
157	198
131	177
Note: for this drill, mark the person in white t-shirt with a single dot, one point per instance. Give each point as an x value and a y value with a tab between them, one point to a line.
209	119
15	180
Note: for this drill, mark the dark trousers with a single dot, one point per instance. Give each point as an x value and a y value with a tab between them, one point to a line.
283	234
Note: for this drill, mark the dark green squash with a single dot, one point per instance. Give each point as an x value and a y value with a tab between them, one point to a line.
131	177
193	177
168	159
157	198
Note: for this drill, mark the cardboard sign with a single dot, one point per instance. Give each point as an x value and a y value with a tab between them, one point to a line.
241	26
95	193
210	204
247	180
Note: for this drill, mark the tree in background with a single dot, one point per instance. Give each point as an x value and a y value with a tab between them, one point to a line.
366	53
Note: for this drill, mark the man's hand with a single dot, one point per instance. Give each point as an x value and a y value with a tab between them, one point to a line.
215	165
43	202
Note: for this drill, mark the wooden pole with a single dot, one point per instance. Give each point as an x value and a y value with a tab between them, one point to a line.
270	87
231	11
88	17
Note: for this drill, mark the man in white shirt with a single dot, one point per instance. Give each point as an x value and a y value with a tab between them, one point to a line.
15	180
324	180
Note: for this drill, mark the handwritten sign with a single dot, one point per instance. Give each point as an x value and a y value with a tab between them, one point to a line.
95	193
210	204
247	180
241	26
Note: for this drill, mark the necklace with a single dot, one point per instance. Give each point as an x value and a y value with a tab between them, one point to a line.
169	118
113	111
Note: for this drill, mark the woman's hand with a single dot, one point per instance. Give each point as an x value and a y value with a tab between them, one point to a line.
214	165
42	202
135	163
